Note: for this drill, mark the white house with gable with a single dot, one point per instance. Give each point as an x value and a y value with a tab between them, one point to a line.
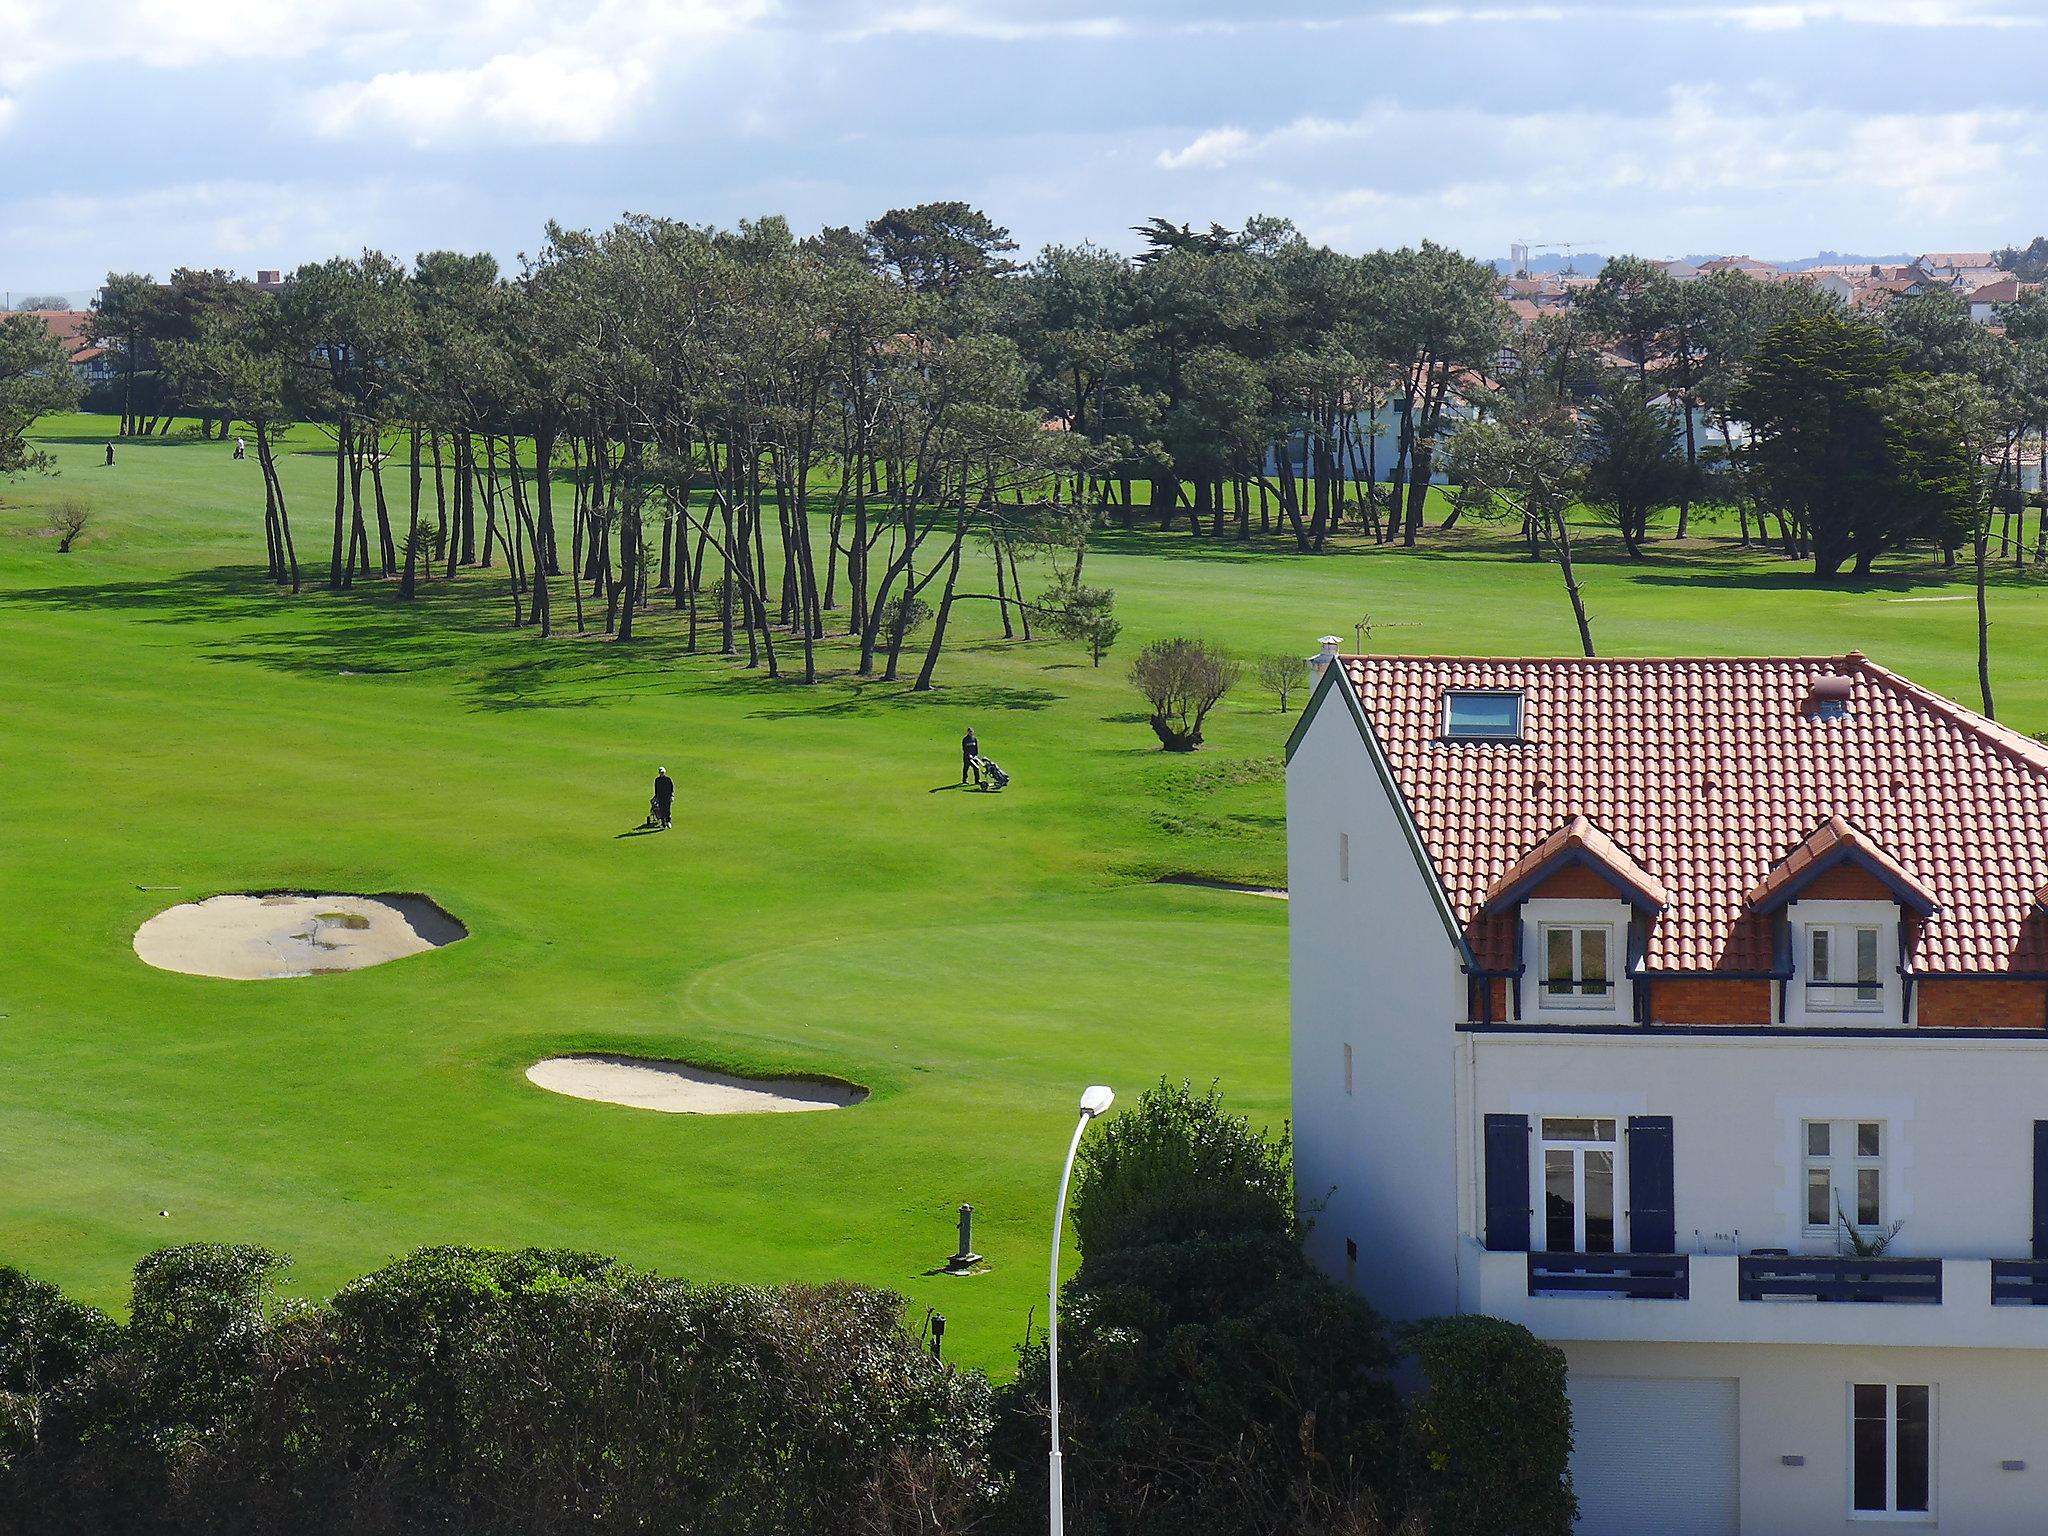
1693	1013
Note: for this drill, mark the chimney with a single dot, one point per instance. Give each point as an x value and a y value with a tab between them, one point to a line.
1322	659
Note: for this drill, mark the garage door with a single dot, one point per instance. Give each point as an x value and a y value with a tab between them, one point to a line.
1654	1454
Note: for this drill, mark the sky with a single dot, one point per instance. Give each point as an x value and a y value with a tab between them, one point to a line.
139	135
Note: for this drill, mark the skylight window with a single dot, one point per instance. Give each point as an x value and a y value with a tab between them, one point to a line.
1475	715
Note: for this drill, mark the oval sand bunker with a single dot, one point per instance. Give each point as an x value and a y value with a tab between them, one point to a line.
676	1088
270	938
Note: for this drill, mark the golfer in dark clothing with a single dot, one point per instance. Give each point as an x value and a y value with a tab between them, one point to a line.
110	453
664	798
970	757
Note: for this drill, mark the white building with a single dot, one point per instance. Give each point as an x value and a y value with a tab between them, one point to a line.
1639	1002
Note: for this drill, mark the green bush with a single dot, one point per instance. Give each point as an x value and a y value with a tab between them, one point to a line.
500	1394
45	1337
1492	1429
1212	1381
1174	1166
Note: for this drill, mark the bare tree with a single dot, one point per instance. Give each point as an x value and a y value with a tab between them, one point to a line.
67	520
1280	674
1519	463
1182	680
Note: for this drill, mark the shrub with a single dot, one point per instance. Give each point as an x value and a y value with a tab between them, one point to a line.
45	1337
1084	614
1492	1429
1211	1380
475	1393
1182	680
68	519
905	615
1177	1165
1281	675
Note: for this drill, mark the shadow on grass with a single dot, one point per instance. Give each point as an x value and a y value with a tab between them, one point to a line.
459	635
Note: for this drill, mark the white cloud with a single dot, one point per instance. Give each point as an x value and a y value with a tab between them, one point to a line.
559	90
1208	151
1708	167
1786	16
982	24
550	96
70	237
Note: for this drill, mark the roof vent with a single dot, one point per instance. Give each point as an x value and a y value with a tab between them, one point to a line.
1828	699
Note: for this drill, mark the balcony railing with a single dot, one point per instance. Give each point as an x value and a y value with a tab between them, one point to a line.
1807	1278
1648	1276
2019	1283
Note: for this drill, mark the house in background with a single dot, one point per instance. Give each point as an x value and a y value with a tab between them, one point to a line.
90	362
1693	1013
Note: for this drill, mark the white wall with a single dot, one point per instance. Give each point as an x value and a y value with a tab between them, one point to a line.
1989	1408
1373	967
1958	1114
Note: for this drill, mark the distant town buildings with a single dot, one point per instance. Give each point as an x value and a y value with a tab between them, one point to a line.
1865	287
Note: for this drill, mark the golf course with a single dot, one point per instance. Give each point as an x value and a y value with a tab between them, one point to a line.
829	904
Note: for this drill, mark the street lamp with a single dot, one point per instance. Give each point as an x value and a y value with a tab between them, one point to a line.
1094	1101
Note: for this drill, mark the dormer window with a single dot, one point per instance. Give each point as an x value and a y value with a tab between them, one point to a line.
1841	972
1472	714
1577	965
1845	963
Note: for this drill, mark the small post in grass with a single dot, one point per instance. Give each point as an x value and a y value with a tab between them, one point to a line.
966	1258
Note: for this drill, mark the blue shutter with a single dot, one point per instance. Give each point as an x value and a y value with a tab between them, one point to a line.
2041	1189
1507	1183
1652	1206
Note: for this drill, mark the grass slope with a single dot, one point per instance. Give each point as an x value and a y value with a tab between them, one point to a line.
824	904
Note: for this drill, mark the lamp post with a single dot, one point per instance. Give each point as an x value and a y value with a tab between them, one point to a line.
1093	1102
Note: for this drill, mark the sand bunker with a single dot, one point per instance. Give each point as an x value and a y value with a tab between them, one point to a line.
283	934
676	1088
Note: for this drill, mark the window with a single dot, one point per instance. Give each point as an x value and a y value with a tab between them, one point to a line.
1841	974
1844	1175
1891	1449
1578	1185
1347	1066
1488	716
1577	965
1343	855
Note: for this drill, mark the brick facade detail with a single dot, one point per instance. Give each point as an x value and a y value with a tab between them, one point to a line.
1701	1000
1988	1003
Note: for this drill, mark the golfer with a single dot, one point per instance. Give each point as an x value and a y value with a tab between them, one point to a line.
970	757
664	798
241	449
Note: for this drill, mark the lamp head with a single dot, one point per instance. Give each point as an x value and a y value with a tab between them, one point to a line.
1096	1101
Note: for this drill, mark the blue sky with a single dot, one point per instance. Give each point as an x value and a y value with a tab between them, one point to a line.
256	133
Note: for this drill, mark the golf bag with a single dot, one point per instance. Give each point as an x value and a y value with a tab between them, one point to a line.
992	775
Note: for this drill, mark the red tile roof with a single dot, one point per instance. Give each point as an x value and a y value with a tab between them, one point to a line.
1826	845
73	327
1707	773
1577	840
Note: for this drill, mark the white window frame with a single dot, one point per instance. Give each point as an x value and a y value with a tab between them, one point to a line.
1842	918
1451	694
1617	1146
1845	1162
1537	1005
1891	1454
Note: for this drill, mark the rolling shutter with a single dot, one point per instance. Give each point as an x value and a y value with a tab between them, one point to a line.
1655	1457
1652	1208
1507	1183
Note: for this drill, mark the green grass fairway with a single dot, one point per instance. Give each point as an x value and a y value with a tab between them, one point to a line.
825	902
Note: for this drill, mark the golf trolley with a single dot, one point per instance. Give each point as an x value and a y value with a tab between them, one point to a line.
992	775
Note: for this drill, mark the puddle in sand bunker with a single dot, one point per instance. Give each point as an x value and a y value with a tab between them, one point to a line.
272	936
